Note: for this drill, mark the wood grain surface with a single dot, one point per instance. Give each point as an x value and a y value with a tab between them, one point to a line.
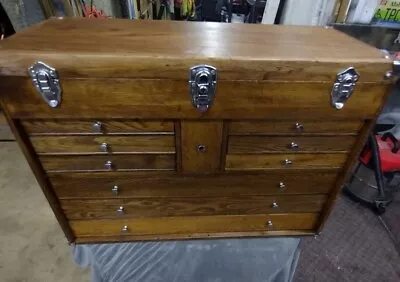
201	133
169	99
166	207
5	130
170	184
195	224
276	161
92	144
123	48
78	127
274	127
309	144
119	162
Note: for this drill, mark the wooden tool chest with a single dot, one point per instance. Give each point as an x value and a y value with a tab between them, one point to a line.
141	130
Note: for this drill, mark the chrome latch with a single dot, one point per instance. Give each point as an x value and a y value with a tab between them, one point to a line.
343	87
45	80
202	83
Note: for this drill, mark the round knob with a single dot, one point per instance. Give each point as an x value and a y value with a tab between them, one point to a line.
281	186
108	165
201	148
269	224
124	229
115	190
299	126
275	205
293	146
98	127
287	162
120	210
104	147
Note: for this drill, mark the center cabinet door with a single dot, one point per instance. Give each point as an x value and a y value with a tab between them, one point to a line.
202	146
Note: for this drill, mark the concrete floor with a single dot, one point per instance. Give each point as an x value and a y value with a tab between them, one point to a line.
32	245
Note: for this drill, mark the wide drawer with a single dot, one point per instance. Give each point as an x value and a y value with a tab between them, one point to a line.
103	144
108	163
157	207
268	144
194	224
295	127
59	126
284	161
170	184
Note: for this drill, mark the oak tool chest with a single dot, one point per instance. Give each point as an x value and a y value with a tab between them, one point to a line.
139	130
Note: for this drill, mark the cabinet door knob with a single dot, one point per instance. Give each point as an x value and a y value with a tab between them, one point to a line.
281	186
201	148
108	165
269	224
124	229
293	146
120	210
299	126
104	147
98	127
115	189
274	205
287	162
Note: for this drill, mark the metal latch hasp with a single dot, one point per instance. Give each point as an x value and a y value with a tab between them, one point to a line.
343	87
45	79
202	84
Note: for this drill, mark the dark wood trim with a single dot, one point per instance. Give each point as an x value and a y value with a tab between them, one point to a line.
224	145
344	175
178	150
39	173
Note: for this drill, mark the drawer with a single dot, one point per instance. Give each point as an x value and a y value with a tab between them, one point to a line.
194	224
276	161
267	144
101	163
295	127
54	126
103	144
157	207
170	184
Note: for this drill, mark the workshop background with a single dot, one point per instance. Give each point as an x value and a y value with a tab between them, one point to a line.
357	244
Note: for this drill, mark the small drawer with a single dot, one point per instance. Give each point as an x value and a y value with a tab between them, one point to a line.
162	184
45	127
194	224
158	207
103	144
284	161
108	163
295	127
258	144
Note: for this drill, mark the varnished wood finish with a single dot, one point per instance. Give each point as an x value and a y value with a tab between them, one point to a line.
79	127
96	163
239	52
166	207
194	224
273	127
200	133
311	144
177	126
92	144
276	161
152	98
170	184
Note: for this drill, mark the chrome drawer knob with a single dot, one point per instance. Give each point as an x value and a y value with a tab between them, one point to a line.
124	229
275	205
98	127
201	148
269	224
120	210
293	146
287	162
281	186
115	190
104	147
108	165
299	126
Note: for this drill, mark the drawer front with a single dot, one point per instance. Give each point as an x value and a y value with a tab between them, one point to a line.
194	224
268	144
102	163
170	184
295	127
284	161
103	144
158	207
51	126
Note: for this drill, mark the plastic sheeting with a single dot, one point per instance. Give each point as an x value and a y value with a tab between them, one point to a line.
241	260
